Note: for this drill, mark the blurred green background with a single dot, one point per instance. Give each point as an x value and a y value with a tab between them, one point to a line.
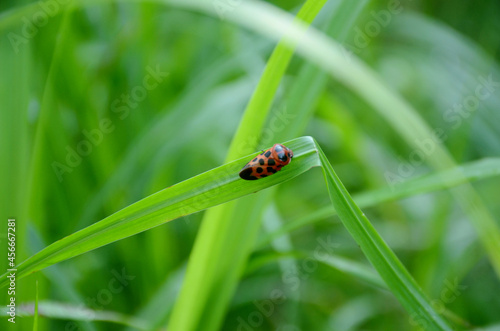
105	104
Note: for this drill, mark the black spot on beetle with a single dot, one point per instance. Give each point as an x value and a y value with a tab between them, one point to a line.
271	170
259	170
261	161
271	162
282	157
268	154
262	176
246	173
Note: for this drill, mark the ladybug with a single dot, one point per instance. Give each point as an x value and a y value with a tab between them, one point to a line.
267	163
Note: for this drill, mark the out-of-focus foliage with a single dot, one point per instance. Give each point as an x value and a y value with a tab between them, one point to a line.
103	104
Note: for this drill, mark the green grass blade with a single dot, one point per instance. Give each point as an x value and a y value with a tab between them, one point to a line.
257	109
65	311
206	190
379	254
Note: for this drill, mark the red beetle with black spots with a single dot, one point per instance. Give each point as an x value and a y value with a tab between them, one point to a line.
267	163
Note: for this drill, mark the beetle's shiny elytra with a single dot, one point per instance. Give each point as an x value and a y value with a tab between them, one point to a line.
267	163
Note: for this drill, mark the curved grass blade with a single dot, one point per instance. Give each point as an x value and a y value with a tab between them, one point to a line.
203	191
379	254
